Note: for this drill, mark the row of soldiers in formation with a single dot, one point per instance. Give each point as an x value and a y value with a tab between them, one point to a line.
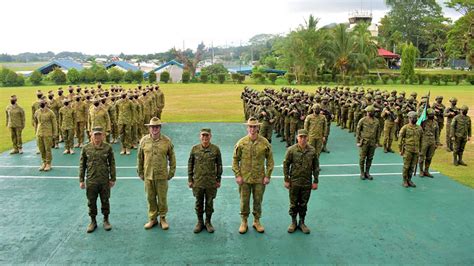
289	109
59	118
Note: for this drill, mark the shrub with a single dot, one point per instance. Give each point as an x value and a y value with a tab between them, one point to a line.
129	76
101	75
221	77
327	78
165	76
20	80
204	77
421	78
413	79
373	79
87	75
152	77
186	76
115	75
73	76
394	78
403	80
446	79
290	77
138	76
36	77
456	78
385	78
241	78
235	77
433	79
58	76
358	80
470	79
338	78
272	77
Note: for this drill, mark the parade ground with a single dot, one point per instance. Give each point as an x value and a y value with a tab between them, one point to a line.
44	215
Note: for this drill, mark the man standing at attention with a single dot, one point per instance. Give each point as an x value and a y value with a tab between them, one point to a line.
252	165
156	165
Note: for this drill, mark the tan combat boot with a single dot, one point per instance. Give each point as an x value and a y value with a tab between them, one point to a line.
199	225
92	226
410	183
66	152
42	167
292	227
71	151
127	151
14	151
47	167
150	224
209	227
243	226
107	225
164	225
259	227
303	226
20	151
122	151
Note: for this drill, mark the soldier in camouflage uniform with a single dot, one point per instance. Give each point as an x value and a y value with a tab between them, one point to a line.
410	148
252	165
450	112
97	163
81	109
366	136
15	118
329	116
390	116
439	108
113	119
160	101
429	142
125	111
54	105
155	154
204	177
99	117
300	166
316	125
46	130
67	120
266	116
460	134
60	99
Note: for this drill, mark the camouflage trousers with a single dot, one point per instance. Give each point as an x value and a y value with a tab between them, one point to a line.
157	197
158	112
287	130
409	161
388	134
449	142
204	200
427	153
256	191
80	127
366	155
299	198
15	133
135	132
266	131
350	121
68	138
44	146
114	131
459	144
125	132
93	191
317	144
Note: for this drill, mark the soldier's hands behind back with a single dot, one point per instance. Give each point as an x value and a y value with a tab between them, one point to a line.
190	184
82	185
287	185
314	186
142	178
111	184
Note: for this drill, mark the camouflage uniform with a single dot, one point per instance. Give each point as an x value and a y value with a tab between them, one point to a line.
204	172
67	121
160	102
81	109
410	147
154	157
125	111
389	116
46	130
99	117
266	116
316	125
15	118
439	108
299	166
367	134
252	160
450	113
460	133
429	143
97	168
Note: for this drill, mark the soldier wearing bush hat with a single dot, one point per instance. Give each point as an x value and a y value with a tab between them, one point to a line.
410	148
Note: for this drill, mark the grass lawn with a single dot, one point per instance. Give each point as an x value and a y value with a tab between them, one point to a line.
221	103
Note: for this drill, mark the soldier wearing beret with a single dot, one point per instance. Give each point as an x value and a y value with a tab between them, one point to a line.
204	177
97	175
301	171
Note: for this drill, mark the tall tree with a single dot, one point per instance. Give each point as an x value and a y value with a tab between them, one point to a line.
190	59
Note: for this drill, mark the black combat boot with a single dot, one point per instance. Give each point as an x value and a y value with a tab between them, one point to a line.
455	159
422	172
367	171
362	171
427	172
460	161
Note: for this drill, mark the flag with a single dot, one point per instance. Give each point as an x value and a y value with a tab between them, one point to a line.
423	115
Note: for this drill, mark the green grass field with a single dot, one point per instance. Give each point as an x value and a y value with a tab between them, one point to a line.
17	66
221	103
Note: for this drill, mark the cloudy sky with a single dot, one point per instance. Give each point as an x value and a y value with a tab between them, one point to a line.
149	26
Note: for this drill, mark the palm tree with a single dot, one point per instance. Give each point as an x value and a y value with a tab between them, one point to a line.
340	49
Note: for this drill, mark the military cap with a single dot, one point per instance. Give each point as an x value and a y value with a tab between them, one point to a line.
60	89
370	108
266	99
402	93
464	108
368	96
66	100
325	97
290	97
412	114
317	96
302	132
390	99
413	94
97	130
13	97
39	93
429	111
453	99
205	131
378	97
439	97
411	99
78	96
400	97
155	121
394	91
252	122
315	106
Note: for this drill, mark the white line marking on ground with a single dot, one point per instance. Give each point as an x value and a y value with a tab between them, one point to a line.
182	177
185	166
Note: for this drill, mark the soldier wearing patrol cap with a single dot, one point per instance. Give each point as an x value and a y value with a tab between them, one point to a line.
155	154
204	177
367	135
301	171
81	109
16	123
429	142
46	130
67	121
97	175
252	165
316	125
460	134
410	147
450	112
438	108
